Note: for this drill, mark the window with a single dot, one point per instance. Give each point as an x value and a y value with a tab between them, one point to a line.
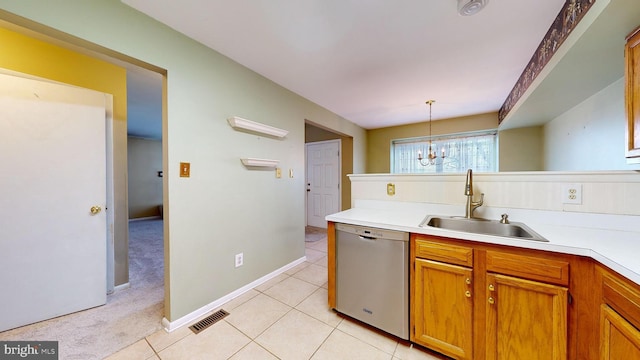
477	151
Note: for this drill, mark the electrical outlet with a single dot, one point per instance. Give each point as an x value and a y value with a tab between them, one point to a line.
239	259
572	194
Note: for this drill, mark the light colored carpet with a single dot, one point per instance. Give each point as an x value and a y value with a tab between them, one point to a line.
312	234
129	315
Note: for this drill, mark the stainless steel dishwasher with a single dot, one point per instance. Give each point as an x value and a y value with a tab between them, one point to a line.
372	277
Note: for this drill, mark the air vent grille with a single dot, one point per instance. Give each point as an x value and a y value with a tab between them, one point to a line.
208	321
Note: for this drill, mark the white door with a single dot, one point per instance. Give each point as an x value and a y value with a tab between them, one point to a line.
53	161
323	181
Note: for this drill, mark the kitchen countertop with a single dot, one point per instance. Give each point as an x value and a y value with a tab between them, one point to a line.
612	240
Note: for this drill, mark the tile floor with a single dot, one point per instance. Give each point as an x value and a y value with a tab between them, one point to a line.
284	318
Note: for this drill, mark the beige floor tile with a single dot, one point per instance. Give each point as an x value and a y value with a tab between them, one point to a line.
320	245
295	336
316	306
234	303
253	351
154	357
404	352
256	315
314	255
323	261
220	341
161	339
138	350
325	286
264	286
340	345
372	337
291	291
315	274
297	268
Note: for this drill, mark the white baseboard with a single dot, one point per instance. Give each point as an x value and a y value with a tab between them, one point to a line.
121	287
146	218
170	326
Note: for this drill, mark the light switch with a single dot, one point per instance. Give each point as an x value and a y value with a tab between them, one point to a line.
291	173
185	169
278	173
391	189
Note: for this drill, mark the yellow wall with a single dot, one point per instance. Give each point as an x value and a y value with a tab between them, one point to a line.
35	57
521	149
379	140
28	55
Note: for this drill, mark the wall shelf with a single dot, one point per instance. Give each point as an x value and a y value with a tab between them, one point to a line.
244	124
254	162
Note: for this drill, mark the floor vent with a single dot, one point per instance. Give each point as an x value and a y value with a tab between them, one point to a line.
208	321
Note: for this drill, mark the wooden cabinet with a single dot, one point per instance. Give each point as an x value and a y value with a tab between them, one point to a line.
619	317
619	339
632	95
485	302
443	308
526	312
442	305
525	319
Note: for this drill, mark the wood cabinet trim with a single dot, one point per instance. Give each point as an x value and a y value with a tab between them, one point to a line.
632	93
533	268
448	253
621	297
331	263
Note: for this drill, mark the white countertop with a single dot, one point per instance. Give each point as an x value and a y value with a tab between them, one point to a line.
612	240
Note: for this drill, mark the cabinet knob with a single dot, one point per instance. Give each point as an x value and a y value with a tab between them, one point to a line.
491	287
468	281
491	300
467	293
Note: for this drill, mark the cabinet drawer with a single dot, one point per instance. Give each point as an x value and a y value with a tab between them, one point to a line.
529	267
447	253
622	298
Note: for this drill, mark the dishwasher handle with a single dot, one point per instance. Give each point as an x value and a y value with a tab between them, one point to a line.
370	238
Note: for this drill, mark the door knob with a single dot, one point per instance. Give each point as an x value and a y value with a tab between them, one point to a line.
95	209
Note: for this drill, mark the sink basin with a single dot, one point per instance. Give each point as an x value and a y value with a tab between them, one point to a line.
483	226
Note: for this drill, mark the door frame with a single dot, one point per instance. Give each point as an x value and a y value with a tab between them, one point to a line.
306	175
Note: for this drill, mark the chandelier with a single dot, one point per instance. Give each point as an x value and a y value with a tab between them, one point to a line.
431	156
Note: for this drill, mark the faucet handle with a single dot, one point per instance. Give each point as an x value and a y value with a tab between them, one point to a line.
505	219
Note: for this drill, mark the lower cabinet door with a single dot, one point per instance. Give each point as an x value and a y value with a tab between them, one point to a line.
619	339
525	319
442	308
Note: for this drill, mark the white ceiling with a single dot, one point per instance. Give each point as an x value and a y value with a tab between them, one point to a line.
373	62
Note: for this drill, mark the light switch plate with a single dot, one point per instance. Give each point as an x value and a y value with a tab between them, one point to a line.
278	173
185	169
391	189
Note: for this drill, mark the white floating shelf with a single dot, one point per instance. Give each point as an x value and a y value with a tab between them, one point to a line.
240	123
260	162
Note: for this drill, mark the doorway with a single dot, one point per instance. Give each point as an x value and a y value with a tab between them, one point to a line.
323	181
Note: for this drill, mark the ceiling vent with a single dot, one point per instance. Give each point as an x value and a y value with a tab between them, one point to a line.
471	7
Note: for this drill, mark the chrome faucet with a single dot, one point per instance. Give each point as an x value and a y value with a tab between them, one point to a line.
468	192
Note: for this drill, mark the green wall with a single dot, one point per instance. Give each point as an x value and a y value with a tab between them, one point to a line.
145	186
223	208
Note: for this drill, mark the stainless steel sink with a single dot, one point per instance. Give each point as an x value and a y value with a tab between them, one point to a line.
483	226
